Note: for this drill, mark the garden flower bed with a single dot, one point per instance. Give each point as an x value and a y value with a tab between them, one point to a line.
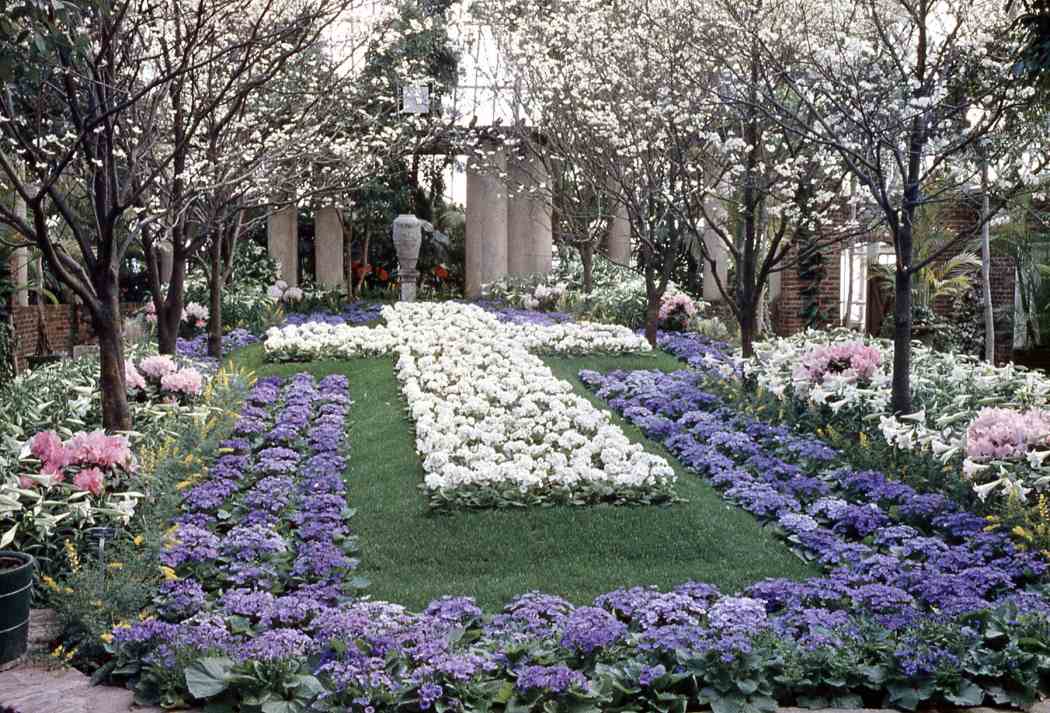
917	605
966	409
494	427
322	340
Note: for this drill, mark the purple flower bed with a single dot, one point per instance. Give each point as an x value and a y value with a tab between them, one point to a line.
520	315
197	347
916	604
698	351
353	313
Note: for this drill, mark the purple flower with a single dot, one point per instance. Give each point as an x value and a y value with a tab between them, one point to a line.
550	679
588	629
737	615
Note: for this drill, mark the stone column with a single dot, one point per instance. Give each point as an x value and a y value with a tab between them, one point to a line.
19	266
618	241
529	229
486	227
165	261
282	239
328	247
716	249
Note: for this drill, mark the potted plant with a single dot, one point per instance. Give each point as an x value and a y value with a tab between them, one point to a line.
16	588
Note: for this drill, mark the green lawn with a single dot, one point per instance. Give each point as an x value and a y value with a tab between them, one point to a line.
412	557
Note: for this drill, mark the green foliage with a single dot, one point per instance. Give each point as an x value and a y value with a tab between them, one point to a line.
116	584
246	302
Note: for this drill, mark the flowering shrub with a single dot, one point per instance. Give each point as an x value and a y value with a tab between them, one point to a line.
677	311
833	376
617	296
63	487
160	377
281	292
852	362
1005	434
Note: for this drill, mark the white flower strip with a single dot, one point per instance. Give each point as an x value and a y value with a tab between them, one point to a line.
490	414
494	426
314	340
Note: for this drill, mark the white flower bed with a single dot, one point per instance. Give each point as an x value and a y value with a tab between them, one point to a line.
314	340
494	426
954	393
311	341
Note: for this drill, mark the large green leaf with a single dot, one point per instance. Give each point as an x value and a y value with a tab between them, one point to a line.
208	677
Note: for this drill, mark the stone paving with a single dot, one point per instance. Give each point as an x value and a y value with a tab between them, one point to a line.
35	686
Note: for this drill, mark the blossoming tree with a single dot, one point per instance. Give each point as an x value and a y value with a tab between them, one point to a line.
68	151
231	123
888	85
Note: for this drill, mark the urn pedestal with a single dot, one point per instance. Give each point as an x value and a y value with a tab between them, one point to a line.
408	236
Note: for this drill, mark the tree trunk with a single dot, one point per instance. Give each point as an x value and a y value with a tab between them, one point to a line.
215	300
986	270
587	259
901	400
116	416
652	315
747	329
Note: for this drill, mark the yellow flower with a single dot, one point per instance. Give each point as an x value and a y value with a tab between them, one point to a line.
138	539
71	555
1021	532
58	652
106	638
115	566
169	573
864	440
183	484
50	583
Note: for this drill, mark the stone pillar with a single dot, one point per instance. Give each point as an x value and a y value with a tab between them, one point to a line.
529	214
716	249
165	261
328	248
486	228
19	266
618	240
282	239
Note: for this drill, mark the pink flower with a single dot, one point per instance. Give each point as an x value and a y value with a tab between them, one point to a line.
53	455
96	448
853	361
677	302
1000	433
185	381
132	376
195	312
157	367
89	480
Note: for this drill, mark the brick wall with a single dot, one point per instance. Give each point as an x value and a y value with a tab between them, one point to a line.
786	313
59	323
1002	279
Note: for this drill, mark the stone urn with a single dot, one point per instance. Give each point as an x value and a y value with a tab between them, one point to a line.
408	236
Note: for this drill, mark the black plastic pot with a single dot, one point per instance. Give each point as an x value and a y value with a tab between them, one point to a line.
16	588
36	360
